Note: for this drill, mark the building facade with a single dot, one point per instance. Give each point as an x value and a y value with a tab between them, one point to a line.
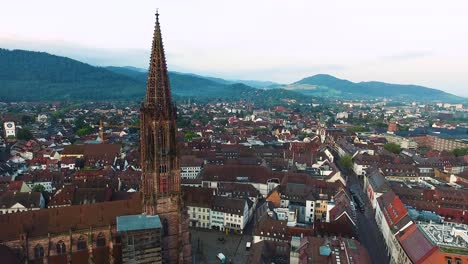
10	129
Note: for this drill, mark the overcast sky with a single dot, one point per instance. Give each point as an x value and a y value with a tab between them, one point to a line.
399	41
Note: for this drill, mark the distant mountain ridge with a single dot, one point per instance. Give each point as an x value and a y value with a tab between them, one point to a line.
253	83
39	76
329	86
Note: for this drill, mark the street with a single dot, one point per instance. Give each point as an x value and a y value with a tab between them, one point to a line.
368	232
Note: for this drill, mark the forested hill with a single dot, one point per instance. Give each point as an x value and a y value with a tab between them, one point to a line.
39	76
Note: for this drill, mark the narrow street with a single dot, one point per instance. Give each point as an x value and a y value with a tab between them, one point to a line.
368	232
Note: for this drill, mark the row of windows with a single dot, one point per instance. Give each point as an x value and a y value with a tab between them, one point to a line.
201	209
61	249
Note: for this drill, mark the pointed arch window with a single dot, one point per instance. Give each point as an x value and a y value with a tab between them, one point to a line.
38	251
160	140
162	168
101	240
81	244
61	248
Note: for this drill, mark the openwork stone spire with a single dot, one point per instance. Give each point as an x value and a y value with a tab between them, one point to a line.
158	92
160	180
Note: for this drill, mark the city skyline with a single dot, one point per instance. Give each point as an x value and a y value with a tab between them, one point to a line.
362	41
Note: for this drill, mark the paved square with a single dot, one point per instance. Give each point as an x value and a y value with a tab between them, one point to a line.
206	246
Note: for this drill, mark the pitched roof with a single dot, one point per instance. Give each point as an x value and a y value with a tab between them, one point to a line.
15	185
269	227
415	244
233	173
378	182
27	199
197	196
58	220
190	161
394	210
229	205
73	150
238	189
342	207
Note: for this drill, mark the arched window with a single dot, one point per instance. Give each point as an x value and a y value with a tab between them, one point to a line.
81	244
61	249
101	240
38	251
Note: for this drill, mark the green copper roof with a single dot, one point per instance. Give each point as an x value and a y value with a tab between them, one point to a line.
137	222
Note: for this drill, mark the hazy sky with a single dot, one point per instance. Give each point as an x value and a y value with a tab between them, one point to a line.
400	41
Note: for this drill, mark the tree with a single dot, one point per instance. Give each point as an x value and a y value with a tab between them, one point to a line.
346	162
460	152
393	147
27	119
183	122
189	135
79	122
85	130
38	188
403	128
357	129
24	134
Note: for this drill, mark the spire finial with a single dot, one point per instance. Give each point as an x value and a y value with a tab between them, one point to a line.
157	13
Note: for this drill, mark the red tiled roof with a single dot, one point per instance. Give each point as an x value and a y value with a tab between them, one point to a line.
57	220
63	196
73	150
27	199
392	207
15	186
415	244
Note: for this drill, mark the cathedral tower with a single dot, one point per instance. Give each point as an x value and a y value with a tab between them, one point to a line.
160	166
